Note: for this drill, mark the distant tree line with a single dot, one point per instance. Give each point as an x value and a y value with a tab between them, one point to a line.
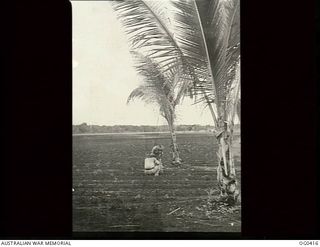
85	128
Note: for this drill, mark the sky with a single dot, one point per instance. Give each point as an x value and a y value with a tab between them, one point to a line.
104	76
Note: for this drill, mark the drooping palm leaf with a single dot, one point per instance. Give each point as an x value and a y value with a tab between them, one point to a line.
199	40
234	36
210	44
172	41
190	38
233	97
148	29
220	20
188	33
156	88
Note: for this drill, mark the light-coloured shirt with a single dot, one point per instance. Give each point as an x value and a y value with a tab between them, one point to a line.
151	162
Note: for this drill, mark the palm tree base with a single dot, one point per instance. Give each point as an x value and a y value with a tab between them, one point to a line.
177	162
229	192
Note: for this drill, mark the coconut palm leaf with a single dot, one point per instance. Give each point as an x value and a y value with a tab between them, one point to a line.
214	26
209	44
220	20
190	39
188	33
233	97
148	29
156	88
174	42
200	40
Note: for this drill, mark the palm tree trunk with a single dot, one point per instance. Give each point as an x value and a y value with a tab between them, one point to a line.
226	174
174	146
175	151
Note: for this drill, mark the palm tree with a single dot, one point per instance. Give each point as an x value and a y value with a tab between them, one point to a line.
216	31
149	31
220	20
161	90
201	39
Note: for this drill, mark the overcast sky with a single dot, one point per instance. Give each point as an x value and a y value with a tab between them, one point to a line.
103	74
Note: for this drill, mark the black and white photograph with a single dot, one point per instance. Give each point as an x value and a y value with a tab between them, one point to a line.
156	116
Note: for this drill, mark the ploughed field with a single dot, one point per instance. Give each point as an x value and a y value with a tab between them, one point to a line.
111	192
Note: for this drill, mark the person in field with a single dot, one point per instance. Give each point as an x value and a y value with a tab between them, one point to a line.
153	164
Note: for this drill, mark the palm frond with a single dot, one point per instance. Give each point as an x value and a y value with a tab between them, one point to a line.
233	97
188	33
174	42
196	46
156	88
190	38
234	34
148	29
220	20
145	93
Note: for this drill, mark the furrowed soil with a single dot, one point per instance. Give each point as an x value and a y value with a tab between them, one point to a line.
111	192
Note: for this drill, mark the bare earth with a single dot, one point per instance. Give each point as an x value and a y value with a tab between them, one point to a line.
111	192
